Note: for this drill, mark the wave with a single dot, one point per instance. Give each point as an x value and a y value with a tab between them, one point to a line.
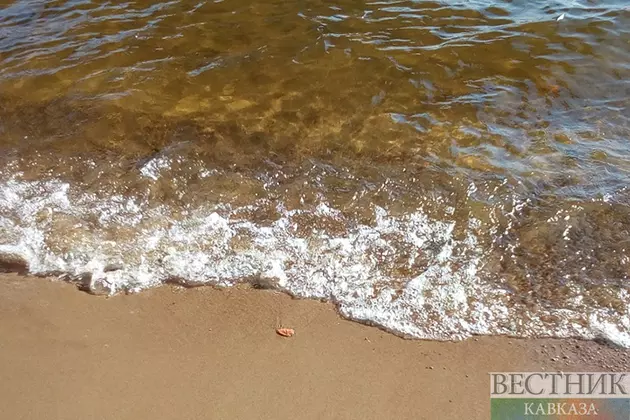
421	272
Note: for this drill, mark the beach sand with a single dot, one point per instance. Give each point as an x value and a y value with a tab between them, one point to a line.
208	353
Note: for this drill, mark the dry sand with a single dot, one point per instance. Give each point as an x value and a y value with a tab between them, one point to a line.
206	353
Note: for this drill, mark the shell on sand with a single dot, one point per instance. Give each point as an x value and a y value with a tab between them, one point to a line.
285	332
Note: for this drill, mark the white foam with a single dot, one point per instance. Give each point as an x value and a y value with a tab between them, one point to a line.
447	299
615	332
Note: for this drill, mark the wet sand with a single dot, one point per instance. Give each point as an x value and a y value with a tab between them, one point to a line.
207	353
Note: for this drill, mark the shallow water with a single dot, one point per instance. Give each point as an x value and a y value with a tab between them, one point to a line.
440	169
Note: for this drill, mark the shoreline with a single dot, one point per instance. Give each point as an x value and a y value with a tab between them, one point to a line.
214	353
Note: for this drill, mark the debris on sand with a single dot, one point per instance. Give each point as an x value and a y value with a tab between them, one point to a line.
286	332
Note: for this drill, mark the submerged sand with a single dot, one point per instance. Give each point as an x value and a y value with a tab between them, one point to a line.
207	353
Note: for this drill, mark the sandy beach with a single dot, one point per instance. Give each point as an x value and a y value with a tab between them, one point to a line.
207	353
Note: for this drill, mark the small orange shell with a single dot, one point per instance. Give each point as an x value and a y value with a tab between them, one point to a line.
286	332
